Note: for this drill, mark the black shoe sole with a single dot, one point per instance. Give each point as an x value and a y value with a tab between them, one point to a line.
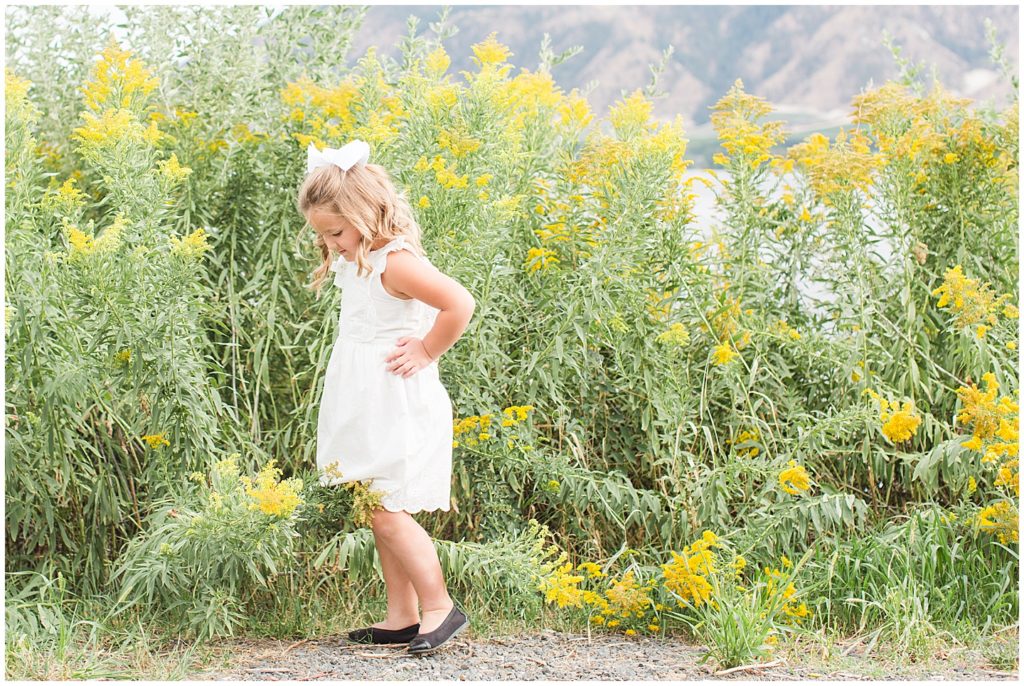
443	643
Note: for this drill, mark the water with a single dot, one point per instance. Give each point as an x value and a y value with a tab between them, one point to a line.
707	216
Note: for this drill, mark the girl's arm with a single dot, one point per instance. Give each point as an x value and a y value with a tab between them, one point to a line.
412	276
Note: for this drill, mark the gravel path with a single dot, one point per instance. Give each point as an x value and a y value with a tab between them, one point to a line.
546	655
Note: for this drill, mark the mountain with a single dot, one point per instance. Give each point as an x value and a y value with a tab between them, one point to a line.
807	61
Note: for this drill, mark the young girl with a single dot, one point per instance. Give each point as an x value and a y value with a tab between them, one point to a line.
384	415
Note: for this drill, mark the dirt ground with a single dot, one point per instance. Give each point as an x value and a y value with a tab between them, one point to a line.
549	655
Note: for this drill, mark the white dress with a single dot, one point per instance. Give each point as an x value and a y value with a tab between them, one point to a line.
373	424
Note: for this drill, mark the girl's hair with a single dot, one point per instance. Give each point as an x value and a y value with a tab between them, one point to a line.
365	196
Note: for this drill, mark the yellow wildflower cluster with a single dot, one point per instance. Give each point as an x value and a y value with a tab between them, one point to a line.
329	112
737	121
540	258
574	111
528	96
626	597
745	436
841	168
558	585
686	576
156	441
270	496
172	170
1000	519
723	353
377	112
16	97
514	414
192	246
989	418
241	132
899	420
112	127
675	335
66	199
480	425
777	579
725	319
922	133
490	51
794	479
437	62
118	81
123	357
114	99
592	570
786	330
972	302
442	98
458	143
632	116
365	498
995	422
83	244
447	177
638	139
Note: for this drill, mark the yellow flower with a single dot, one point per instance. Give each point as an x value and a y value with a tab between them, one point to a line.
156	441
794	479
1008	475
1000	519
490	51
117	80
540	258
574	110
424	201
457	143
273	497
561	587
630	116
109	129
438	61
676	334
723	354
737	120
900	424
172	169
844	167
192	246
972	302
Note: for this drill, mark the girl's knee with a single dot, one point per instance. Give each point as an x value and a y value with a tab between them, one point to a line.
386	523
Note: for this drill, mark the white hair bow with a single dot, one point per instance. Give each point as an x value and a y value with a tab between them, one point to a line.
356	152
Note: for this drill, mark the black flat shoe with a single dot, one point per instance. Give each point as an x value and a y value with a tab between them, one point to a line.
372	634
455	622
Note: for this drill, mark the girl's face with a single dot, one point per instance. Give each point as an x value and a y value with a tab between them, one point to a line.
338	233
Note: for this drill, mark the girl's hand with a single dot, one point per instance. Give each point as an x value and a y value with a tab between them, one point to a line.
409	357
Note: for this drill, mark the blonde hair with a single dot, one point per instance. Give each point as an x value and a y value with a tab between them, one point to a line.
364	195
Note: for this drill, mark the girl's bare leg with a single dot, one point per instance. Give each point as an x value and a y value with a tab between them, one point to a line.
402	599
407	540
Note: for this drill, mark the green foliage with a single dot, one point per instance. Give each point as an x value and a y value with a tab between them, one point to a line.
158	311
200	558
